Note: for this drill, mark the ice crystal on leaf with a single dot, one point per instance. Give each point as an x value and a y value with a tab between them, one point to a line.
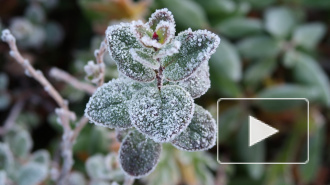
152	100
196	48
120	41
198	83
161	115
200	134
138	156
108	106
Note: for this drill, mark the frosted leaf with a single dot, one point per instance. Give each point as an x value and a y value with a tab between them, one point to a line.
198	83
196	48
120	40
41	156
161	115
161	15
144	35
138	155
139	30
20	143
32	173
6	158
93	71
200	134
168	50
145	58
3	177
165	32
76	178
121	134
108	105
96	168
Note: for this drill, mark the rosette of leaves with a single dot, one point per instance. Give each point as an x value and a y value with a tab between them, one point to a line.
161	74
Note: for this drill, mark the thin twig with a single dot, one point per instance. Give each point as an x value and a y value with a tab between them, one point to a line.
128	180
14	112
80	125
64	114
99	55
30	71
66	77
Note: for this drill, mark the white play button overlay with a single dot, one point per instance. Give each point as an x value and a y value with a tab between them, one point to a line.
259	131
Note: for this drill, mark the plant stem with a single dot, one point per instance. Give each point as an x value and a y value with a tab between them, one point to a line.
66	77
159	76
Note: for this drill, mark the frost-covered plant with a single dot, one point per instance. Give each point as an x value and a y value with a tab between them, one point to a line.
154	97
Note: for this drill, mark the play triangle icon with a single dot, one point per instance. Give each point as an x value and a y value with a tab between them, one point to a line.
259	131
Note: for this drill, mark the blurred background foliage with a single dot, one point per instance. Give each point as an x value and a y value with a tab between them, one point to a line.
269	48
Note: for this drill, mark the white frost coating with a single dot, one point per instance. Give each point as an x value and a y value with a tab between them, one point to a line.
108	106
200	134
168	50
146	40
7	36
138	156
120	40
144	58
93	71
198	83
167	29
164	26
196	48
161	115
139	29
159	15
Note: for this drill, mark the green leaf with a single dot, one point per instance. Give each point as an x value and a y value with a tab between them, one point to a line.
223	84
200	134
97	168
216	8
32	174
3	177
279	21
226	61
3	81
185	11
238	27
258	47
307	171
260	4
229	122
286	91
121	134
108	105
120	40
309	35
4	101
198	83
168	50
20	143
161	115
41	156
6	158
138	155
161	15
259	71
76	178
291	58
196	48
246	153
145	58
308	72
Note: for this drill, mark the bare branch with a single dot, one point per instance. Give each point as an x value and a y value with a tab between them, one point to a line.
66	77
99	55
30	71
